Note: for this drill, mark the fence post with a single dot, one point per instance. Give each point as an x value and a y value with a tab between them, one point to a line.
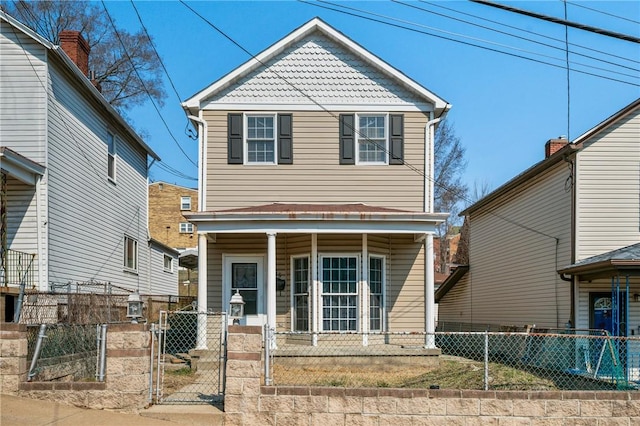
153	342
486	360
103	352
41	335
267	355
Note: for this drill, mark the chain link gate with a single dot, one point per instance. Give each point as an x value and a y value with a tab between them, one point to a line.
188	367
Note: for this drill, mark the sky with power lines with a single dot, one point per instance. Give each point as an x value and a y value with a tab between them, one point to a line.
504	73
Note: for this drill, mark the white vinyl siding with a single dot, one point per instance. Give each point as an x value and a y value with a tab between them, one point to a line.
514	262
88	215
315	175
162	281
23	94
608	179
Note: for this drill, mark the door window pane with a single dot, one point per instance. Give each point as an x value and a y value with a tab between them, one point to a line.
244	278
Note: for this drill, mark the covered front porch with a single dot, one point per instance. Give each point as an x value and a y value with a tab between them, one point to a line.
349	268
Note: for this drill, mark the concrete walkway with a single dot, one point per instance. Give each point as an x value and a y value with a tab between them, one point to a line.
17	411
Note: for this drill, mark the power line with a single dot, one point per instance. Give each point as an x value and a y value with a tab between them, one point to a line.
560	21
190	132
439	5
457	193
115	30
465	43
526	39
600	11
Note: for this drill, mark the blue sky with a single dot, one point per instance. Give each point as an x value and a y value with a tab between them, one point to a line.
504	107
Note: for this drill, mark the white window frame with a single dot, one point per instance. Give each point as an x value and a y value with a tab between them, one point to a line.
127	266
294	293
383	285
187	228
111	156
246	139
164	263
360	137
357	294
185	201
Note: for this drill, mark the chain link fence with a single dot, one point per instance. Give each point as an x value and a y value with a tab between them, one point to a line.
63	352
567	360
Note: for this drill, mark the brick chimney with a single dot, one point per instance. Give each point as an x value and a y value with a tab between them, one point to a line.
554	145
76	48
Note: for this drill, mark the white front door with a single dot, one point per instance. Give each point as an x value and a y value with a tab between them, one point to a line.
245	274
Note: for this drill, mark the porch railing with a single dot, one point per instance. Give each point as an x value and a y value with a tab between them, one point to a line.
17	268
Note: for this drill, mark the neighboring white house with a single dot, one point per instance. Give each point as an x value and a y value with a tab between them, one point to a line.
558	245
74	173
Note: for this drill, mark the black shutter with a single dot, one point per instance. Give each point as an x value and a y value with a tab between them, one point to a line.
347	139
234	135
396	139
285	139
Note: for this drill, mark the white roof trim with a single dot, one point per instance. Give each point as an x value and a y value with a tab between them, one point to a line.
21	168
195	102
318	222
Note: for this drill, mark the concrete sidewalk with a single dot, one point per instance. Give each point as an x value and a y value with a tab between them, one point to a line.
31	412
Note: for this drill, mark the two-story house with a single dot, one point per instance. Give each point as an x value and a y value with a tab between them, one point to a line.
316	188
559	245
74	174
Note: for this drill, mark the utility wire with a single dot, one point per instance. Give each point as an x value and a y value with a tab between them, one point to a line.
461	194
466	43
560	21
135	69
529	32
600	11
190	133
563	49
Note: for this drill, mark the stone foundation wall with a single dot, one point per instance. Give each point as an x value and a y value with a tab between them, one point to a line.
127	371
247	402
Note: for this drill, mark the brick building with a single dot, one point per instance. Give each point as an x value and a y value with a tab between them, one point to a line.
167	204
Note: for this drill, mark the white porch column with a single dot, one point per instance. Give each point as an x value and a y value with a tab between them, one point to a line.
315	302
364	303
430	325
271	284
202	292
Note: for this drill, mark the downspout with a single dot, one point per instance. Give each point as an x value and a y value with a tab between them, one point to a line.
41	228
202	153
429	277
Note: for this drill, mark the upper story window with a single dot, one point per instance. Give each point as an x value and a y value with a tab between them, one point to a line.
185	203
111	156
260	141
372	143
130	254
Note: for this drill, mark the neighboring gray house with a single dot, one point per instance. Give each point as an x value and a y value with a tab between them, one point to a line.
558	244
74	173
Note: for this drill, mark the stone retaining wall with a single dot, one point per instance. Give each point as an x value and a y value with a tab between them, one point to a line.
127	371
248	403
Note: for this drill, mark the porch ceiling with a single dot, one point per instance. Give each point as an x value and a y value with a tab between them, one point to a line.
316	218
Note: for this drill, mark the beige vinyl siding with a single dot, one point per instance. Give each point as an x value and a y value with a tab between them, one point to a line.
406	288
456	306
514	277
608	177
23	94
89	215
315	175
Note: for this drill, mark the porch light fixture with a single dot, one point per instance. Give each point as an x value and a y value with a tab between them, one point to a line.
134	307
236	308
636	297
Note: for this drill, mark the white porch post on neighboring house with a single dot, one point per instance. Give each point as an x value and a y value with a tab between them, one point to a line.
202	292
430	324
271	287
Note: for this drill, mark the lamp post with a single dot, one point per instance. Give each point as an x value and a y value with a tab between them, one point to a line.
236	308
134	307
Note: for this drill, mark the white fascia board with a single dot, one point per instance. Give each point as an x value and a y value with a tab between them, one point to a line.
197	101
319	227
314	107
21	168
